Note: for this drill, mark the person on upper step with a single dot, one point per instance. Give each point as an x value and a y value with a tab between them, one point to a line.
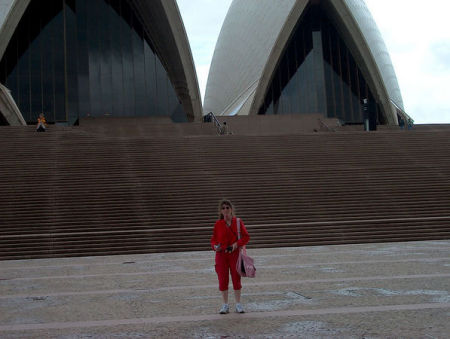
42	125
226	244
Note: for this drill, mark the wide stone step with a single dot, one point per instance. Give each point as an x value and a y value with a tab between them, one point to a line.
99	191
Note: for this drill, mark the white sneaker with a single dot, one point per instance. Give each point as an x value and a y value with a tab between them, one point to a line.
239	308
225	309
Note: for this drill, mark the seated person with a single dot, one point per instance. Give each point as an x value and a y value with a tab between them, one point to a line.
41	126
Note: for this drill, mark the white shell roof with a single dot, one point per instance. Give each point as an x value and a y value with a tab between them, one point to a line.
376	43
250	32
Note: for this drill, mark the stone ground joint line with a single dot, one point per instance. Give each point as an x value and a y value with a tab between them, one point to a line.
255	315
202	270
203	258
262	283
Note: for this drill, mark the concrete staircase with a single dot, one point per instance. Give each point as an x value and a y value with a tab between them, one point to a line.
77	191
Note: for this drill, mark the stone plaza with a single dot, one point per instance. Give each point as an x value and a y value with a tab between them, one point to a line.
389	290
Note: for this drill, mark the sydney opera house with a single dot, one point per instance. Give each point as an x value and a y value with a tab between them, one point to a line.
77	58
72	59
299	56
143	170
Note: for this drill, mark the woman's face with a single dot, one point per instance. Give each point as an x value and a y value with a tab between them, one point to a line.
226	211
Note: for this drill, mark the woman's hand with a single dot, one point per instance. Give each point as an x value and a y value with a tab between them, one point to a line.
235	246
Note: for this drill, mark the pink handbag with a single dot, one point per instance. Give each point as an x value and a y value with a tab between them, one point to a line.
245	264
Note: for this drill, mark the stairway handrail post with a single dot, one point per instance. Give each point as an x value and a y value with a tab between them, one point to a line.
220	128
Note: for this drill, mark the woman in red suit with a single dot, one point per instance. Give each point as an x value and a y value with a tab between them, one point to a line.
226	244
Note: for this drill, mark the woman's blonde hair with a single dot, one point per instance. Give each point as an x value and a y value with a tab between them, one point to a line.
227	203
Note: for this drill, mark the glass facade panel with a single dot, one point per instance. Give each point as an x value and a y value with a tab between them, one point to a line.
150	80
137	38
105	57
127	60
116	60
58	66
83	57
35	75
93	54
79	58
70	61
23	65
161	89
318	74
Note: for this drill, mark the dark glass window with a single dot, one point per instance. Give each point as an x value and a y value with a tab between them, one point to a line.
139	67
59	76
317	74
150	80
23	67
116	60
127	60
83	58
104	30
161	89
70	59
78	58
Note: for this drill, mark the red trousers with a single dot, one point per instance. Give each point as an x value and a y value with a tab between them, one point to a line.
226	264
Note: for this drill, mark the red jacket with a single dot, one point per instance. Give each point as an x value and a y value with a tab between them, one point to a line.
227	236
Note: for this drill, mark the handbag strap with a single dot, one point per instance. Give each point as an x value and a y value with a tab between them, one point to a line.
238	221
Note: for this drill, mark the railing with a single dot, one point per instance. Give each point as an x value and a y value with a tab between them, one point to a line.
323	124
407	120
210	117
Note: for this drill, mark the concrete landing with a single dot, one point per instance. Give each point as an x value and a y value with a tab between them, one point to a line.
390	290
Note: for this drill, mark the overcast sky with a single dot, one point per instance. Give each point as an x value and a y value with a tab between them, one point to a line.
417	37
